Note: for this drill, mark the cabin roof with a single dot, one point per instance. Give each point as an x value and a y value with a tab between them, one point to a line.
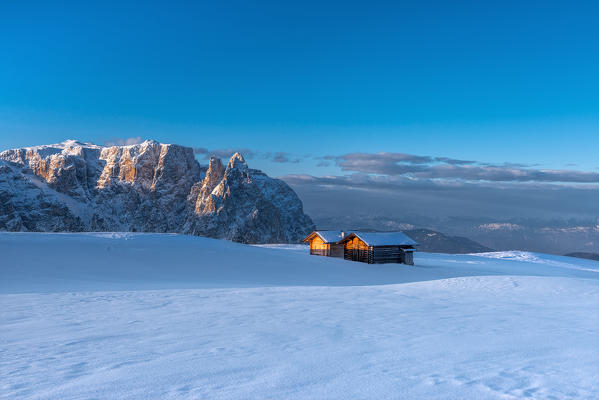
382	238
326	236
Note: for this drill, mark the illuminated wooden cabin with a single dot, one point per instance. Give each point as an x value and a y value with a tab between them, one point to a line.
379	247
324	243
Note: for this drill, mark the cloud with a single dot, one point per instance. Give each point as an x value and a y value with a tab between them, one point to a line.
440	189
123	141
448	160
425	167
223	153
277	157
376	195
282	157
387	182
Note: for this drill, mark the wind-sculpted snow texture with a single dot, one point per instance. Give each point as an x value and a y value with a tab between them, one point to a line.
148	187
165	316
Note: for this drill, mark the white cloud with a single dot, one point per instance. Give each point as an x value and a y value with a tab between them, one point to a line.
123	141
425	167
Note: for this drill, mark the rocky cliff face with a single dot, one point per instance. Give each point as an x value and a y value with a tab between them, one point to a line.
149	187
243	204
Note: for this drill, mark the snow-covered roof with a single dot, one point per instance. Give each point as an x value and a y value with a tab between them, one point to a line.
383	238
327	236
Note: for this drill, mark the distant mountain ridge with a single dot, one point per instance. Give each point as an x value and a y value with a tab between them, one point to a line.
436	242
147	187
588	256
529	234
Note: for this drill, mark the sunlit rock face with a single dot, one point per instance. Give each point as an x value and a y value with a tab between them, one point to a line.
214	174
147	187
245	205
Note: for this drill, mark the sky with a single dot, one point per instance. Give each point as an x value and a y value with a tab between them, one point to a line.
485	92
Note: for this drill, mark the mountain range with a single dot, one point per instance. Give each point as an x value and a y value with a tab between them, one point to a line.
146	187
155	187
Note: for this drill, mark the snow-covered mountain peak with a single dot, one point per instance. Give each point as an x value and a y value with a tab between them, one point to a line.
260	206
152	142
43	152
73	143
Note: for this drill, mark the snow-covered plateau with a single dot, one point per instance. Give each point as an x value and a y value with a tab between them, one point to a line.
167	316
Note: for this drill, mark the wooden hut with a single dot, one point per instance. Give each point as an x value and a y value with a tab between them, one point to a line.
379	247
324	243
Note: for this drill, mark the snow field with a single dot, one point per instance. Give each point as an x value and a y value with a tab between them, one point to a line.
245	322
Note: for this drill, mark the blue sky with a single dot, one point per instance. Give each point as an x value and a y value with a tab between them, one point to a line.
493	82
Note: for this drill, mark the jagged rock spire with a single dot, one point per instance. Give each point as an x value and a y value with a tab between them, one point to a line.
214	175
215	172
237	162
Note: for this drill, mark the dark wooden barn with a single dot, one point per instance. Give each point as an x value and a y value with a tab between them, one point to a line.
324	243
379	247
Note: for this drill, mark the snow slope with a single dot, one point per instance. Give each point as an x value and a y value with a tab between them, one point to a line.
148	316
